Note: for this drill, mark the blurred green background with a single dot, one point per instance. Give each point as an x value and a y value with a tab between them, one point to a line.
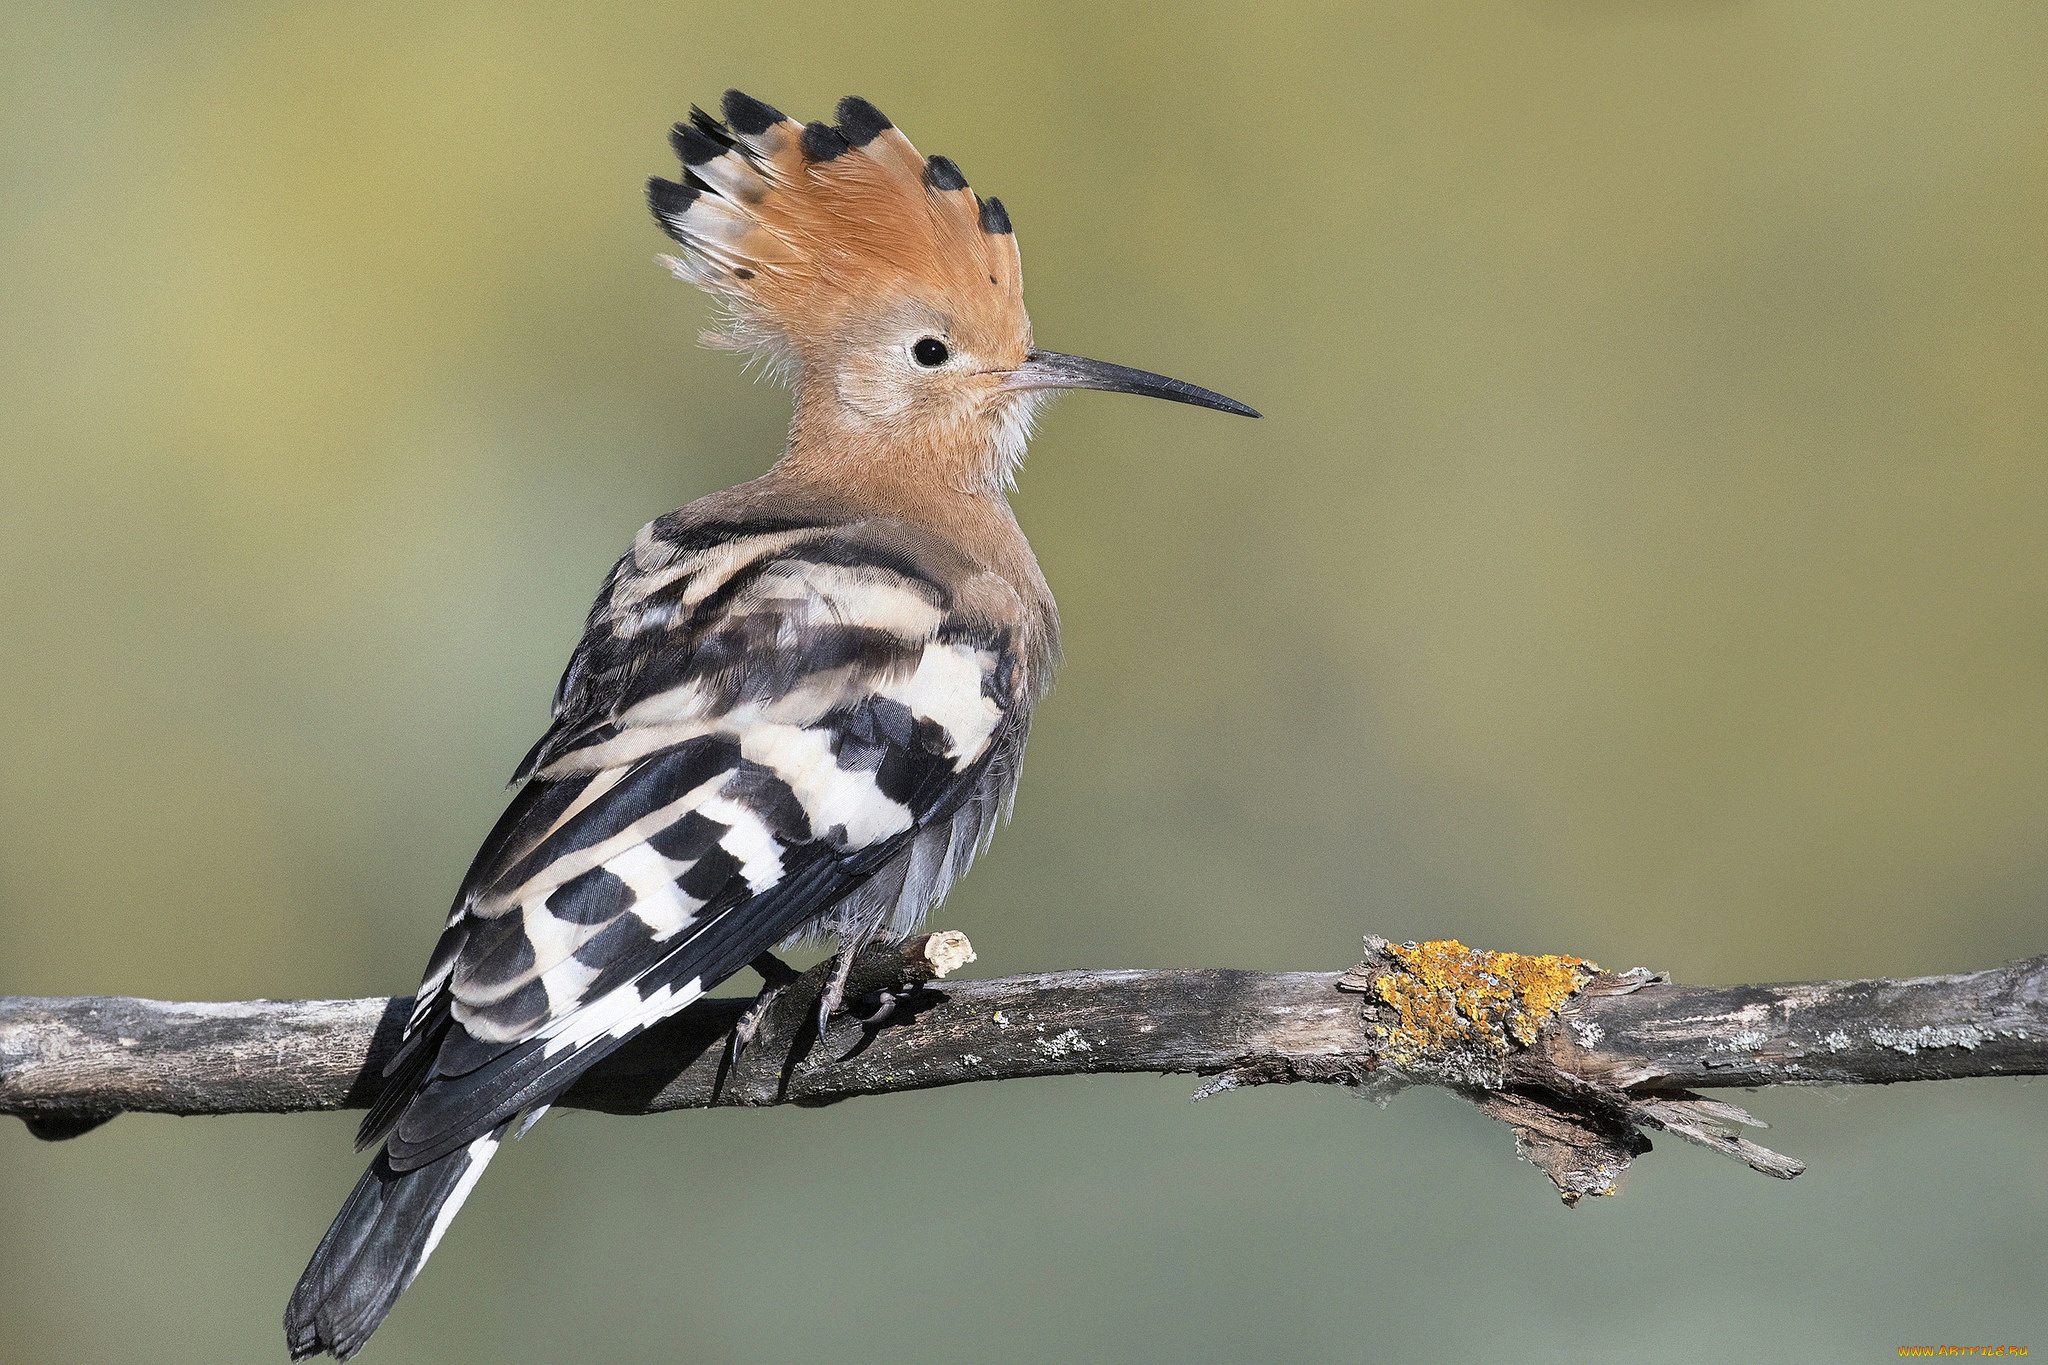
1645	556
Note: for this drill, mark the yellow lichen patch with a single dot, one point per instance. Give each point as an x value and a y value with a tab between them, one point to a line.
1452	996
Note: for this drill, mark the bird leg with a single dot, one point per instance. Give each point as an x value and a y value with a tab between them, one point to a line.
775	975
834	997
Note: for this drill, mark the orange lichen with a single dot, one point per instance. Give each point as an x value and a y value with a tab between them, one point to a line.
1451	997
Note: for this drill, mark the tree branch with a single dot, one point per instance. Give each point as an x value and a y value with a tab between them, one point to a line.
1581	1063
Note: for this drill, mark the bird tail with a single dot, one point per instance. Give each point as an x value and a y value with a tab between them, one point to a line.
378	1242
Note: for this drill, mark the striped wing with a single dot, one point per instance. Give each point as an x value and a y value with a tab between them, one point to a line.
768	730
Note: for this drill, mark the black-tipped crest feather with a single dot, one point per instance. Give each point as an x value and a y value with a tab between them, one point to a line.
748	116
860	122
941	174
823	142
670	201
712	128
695	146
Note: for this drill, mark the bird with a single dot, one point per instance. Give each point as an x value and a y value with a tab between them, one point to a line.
798	708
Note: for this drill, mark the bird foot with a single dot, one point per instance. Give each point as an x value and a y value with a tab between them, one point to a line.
834	998
775	975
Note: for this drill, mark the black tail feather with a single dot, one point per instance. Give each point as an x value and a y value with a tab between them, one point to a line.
403	1076
377	1243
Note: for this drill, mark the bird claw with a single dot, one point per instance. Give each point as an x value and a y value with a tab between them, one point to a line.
885	1003
749	1025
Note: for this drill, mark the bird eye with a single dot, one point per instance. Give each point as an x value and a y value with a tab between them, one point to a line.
929	352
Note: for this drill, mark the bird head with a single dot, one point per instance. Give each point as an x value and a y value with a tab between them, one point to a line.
883	288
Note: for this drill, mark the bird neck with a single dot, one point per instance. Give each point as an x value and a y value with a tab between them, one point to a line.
951	491
831	444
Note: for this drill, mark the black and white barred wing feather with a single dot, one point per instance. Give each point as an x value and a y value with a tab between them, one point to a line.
767	732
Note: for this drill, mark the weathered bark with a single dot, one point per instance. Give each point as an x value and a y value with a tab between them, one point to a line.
1580	1063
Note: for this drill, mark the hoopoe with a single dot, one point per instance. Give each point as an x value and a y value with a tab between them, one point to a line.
798	707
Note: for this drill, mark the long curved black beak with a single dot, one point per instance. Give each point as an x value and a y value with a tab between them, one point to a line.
1051	370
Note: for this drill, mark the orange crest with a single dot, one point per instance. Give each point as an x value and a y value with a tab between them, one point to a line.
803	232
